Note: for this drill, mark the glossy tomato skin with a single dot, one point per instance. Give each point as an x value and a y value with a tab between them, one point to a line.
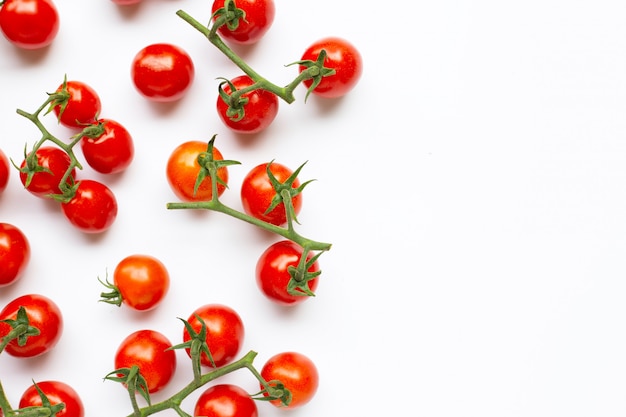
162	72
272	275
56	162
257	193
225	400
112	152
14	254
297	372
143	281
225	333
344	58
148	349
5	171
93	208
183	168
260	110
57	392
43	314
82	108
29	24
258	20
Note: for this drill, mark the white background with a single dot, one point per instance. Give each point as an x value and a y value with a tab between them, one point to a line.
472	186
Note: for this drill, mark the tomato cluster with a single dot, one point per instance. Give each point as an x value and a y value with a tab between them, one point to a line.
49	170
271	197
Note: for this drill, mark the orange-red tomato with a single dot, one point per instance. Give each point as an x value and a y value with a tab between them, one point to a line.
183	169
298	374
142	281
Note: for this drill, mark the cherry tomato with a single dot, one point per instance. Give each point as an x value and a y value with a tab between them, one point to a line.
82	107
56	392
341	56
225	400
43	314
93	208
183	169
112	152
14	253
54	163
5	171
29	24
259	16
257	193
162	72
272	272
150	351
259	112
225	333
296	372
142	281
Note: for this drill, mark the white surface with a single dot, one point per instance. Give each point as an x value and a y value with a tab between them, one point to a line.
472	185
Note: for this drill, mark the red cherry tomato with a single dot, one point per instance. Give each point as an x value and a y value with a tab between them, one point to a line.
14	254
341	56
296	372
56	392
43	314
162	72
5	172
257	193
142	281
112	152
225	333
272	272
225	400
29	24
93	208
183	169
54	163
259	112
259	16
82	107
150	351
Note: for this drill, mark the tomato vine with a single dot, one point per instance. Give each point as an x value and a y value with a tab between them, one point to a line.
300	275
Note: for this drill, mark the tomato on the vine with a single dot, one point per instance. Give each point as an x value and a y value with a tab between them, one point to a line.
162	72
81	108
111	152
296	372
257	193
53	164
224	333
272	272
56	392
252	26
253	116
5	172
225	400
42	314
93	208
344	58
14	253
151	352
183	169
29	24
142	281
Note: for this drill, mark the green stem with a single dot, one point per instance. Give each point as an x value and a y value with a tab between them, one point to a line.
288	233
285	93
176	400
4	402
